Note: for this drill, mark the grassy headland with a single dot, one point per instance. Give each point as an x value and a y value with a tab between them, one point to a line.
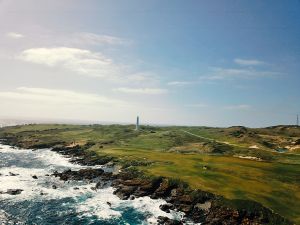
237	162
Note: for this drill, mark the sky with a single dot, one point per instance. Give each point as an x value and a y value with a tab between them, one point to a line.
192	62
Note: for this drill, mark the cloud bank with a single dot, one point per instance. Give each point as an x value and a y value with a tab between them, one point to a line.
59	96
147	91
81	61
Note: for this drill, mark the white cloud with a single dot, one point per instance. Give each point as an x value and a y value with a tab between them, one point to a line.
14	35
248	62
78	60
178	83
218	73
96	39
80	39
148	91
198	105
143	78
238	107
88	63
59	96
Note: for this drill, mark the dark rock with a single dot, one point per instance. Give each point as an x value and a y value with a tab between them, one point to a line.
99	185
164	189
250	213
81	156
93	188
13	174
124	192
166	207
135	186
45	145
54	186
83	174
167	221
140	193
14	191
34	177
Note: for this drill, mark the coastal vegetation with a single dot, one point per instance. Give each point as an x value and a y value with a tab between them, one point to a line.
261	164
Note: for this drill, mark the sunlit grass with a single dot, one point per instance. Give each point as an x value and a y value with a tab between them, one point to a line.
275	185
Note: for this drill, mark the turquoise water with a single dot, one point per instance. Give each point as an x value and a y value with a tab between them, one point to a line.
71	202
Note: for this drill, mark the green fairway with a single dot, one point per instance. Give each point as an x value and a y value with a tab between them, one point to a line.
208	160
275	185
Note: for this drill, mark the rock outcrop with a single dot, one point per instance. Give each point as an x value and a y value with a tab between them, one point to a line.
197	206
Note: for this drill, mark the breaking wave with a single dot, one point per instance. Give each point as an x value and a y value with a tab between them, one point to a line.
45	199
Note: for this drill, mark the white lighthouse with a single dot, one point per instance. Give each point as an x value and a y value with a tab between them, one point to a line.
137	126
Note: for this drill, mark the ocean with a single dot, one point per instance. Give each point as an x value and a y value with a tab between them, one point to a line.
48	200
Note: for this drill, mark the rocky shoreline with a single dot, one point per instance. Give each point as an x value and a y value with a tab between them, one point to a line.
198	206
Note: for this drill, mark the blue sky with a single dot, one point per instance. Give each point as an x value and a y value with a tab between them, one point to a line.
215	63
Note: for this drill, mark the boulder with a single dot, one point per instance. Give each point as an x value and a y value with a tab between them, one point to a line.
14	191
166	207
167	221
124	192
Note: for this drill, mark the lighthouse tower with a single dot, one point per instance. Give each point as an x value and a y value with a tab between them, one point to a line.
137	126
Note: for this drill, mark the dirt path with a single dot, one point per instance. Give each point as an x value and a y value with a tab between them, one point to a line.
210	139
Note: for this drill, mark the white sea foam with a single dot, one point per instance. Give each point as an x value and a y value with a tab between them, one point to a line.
4	218
150	207
106	205
101	203
22	179
9	149
54	160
